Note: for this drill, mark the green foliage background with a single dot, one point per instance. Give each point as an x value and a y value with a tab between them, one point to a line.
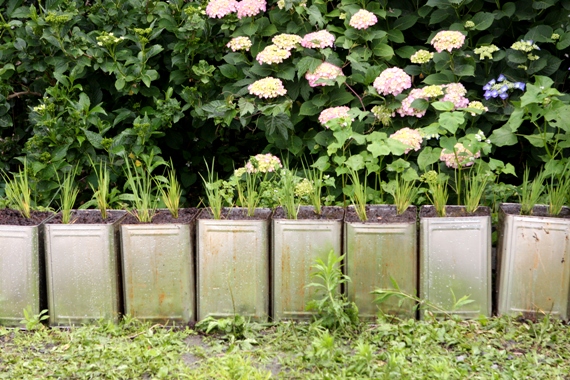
170	86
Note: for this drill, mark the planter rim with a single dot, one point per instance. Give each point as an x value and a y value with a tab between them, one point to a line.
340	210
504	209
42	222
392	208
265	214
424	209
122	215
167	224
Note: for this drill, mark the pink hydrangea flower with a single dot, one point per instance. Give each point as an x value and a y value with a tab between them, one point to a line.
239	43
267	88
409	137
448	40
249	8
286	41
272	54
334	113
363	19
406	108
321	39
454	92
324	71
462	157
221	8
392	81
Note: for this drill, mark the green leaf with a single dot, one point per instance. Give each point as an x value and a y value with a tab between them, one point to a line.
396	36
94	138
405	22
564	41
428	156
483	20
378	148
438	78
315	16
451	121
308	109
229	71
540	33
405	52
464	70
309	64
503	136
287	73
340	97
279	124
120	83
443	106
383	50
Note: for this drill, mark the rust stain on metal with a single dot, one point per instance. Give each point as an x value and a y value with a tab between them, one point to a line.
161	297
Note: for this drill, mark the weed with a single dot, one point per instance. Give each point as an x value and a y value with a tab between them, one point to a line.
34	321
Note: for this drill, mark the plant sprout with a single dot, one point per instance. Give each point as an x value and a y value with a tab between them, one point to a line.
18	191
315	177
101	194
287	194
68	195
530	191
437	193
248	192
171	193
140	182
212	186
475	185
358	195
557	192
405	194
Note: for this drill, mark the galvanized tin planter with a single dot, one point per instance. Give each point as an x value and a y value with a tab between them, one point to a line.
233	264
377	251
455	260
533	262
296	244
22	280
82	270
158	267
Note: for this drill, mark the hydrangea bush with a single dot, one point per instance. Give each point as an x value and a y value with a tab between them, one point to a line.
357	84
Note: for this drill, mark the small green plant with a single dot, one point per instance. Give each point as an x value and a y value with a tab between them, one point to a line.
34	321
358	196
140	180
102	193
334	311
171	191
475	185
18	191
68	194
287	197
213	187
437	190
316	177
405	193
248	191
530	191
557	192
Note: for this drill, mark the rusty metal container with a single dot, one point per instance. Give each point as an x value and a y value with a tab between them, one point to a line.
233	264
455	260
533	262
83	271
296	244
158	268
22	281
377	251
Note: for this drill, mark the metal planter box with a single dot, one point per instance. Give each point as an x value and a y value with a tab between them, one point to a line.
83	271
455	260
296	244
233	264
22	281
533	262
158	268
377	251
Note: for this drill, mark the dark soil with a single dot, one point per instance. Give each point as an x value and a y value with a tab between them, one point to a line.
308	212
185	216
454	212
538	210
90	217
382	214
10	217
237	213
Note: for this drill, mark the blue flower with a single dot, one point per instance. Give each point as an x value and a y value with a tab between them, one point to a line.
487	95
494	93
492	82
487	87
504	95
519	85
501	78
503	89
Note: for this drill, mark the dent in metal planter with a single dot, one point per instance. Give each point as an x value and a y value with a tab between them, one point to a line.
296	245
21	272
158	271
377	251
533	267
233	264
82	272
455	260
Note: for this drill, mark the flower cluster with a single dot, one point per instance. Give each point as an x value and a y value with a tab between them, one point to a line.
469	24
478	106
239	43
392	81
108	39
249	8
432	91
486	51
335	113
221	8
500	87
324	71
272	54
448	40
363	19
304	188
267	88
455	93
406	108
383	115
421	56
286	41
263	163
321	39
526	47
409	137
460	157
480	136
